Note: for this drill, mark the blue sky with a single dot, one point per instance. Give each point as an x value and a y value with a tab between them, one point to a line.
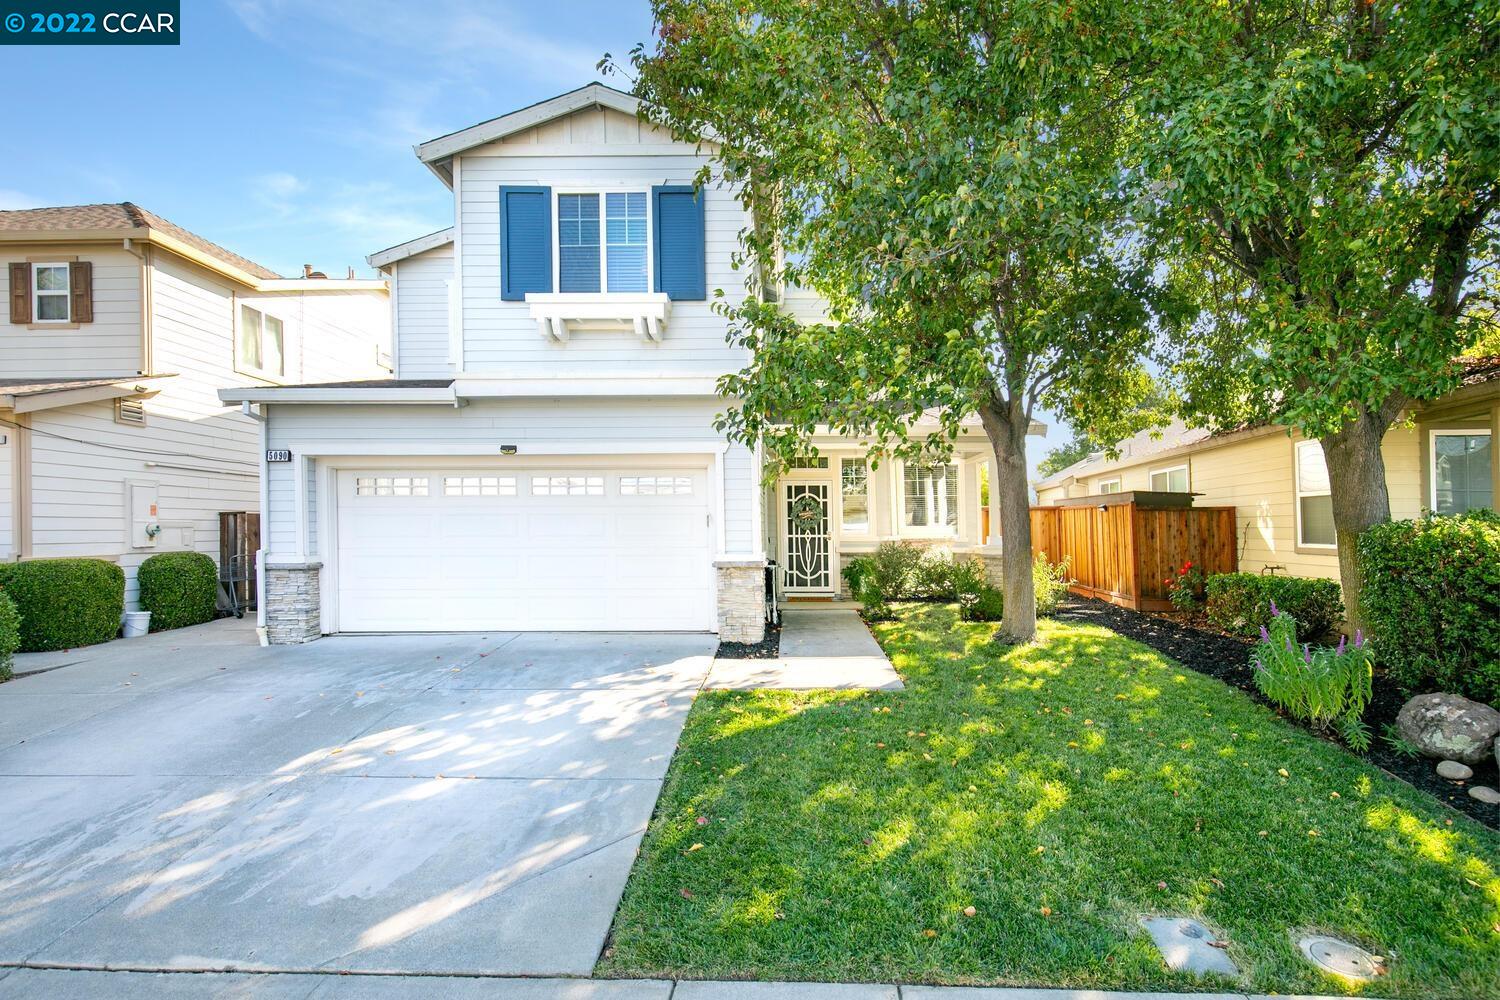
283	129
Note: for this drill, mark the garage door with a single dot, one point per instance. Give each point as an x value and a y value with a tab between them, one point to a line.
475	550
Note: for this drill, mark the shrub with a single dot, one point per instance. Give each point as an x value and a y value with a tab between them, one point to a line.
854	573
893	569
10	634
65	602
1050	581
178	588
969	576
933	577
987	604
1431	601
1241	602
1328	688
1185	587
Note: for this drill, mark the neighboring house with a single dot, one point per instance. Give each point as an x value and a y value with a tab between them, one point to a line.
120	329
1442	459
546	457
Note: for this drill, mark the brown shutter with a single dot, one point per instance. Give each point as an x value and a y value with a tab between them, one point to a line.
20	294
81	284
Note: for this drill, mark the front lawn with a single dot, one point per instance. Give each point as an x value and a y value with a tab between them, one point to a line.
1062	790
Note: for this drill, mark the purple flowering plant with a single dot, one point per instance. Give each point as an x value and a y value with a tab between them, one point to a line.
1326	688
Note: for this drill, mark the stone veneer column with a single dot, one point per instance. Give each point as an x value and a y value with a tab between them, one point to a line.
293	603
742	599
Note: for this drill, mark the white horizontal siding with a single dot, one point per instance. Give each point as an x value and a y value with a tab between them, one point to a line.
501	336
421	294
110	345
82	459
605	421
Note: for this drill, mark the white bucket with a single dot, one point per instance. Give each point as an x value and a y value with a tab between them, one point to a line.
137	624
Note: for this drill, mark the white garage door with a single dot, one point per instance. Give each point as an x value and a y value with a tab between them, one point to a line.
475	550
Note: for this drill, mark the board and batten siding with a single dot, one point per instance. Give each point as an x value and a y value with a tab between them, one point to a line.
422	318
597	149
488	422
110	345
1256	476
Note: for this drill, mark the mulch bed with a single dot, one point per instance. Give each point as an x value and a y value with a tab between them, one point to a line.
767	649
1227	658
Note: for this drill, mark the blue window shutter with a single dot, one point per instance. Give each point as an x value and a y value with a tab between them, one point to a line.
525	241
677	229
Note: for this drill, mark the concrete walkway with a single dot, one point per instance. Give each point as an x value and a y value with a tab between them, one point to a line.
819	649
80	985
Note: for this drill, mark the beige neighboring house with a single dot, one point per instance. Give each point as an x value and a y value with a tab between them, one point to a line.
119	331
1440	459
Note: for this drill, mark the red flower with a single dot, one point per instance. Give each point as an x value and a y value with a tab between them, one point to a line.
1167	582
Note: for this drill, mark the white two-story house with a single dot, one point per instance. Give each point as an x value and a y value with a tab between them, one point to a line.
121	328
546	456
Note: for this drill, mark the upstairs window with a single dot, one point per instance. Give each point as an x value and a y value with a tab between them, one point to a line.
260	345
614	263
50	293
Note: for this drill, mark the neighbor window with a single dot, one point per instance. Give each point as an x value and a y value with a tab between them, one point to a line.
50	293
1462	466
1173	480
855	490
260	344
602	258
1109	486
1314	501
930	495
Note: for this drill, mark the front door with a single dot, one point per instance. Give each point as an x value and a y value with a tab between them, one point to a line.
807	566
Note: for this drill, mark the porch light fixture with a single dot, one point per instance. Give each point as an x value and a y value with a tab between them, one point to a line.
507	449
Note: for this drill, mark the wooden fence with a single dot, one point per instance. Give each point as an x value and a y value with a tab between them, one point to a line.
1122	548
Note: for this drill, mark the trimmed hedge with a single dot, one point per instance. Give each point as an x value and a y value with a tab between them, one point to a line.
65	602
178	588
10	634
1241	602
1431	601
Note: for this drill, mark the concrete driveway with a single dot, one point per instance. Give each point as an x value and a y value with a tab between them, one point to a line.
421	803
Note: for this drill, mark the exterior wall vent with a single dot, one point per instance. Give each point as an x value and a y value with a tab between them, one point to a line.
130	411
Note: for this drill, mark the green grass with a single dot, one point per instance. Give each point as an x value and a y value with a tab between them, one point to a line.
1078	774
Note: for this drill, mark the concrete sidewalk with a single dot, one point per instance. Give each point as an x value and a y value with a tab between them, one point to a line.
57	984
819	649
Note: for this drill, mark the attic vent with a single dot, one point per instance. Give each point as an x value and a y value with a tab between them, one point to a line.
130	411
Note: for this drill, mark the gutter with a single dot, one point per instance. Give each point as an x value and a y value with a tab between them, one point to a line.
247	395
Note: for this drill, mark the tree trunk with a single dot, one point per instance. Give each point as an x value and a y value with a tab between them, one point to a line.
1356	480
1006	429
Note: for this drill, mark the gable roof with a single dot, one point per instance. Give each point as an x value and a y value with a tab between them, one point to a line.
125	218
592	95
1152	441
401	251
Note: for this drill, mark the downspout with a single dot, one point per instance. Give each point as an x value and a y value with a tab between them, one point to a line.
147	300
248	410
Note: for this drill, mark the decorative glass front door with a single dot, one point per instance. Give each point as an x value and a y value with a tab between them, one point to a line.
806	567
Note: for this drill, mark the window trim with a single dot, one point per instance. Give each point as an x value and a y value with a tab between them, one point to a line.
930	531
1151	475
37	293
1432	436
558	191
262	373
1298	493
844	526
1115	482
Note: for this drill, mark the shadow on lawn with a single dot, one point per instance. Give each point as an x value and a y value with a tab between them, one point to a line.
1062	789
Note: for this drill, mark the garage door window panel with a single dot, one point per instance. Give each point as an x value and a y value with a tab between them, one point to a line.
479	486
390	486
567	486
655	486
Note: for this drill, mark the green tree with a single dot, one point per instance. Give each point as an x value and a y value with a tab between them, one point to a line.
1327	175
946	174
1064	455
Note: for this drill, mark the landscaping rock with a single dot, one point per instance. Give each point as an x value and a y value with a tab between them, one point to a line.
1449	726
1484	793
1454	771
